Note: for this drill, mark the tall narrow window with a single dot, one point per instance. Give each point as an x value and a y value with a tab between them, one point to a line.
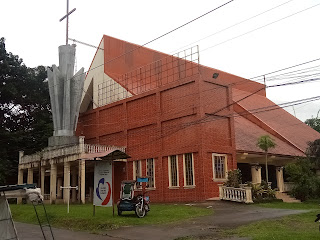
150	172
173	171
219	166
137	171
188	169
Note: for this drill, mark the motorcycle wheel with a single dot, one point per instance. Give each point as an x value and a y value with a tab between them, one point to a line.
146	208
140	212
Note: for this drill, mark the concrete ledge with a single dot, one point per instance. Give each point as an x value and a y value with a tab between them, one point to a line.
55	141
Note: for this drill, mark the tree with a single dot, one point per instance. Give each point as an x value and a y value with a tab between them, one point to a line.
314	123
313	153
265	142
25	114
306	182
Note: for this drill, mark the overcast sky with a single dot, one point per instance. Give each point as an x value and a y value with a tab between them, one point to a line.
260	45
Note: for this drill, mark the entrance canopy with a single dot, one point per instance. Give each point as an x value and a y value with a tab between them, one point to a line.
107	155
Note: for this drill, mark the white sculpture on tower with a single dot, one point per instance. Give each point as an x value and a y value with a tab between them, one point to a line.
65	92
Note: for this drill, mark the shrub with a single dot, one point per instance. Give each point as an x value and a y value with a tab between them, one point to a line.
306	182
261	192
234	178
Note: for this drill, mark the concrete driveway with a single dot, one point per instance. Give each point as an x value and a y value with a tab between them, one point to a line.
226	215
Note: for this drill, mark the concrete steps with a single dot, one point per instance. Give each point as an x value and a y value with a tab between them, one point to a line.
286	198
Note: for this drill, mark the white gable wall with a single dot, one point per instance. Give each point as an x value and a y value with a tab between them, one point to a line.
110	91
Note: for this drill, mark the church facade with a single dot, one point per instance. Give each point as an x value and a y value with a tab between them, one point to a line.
184	125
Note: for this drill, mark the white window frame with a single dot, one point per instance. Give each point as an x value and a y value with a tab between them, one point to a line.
170	169
225	164
184	172
135	169
154	173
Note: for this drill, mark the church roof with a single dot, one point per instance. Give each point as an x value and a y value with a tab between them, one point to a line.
263	116
143	69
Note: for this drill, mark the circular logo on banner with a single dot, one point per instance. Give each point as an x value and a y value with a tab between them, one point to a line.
101	191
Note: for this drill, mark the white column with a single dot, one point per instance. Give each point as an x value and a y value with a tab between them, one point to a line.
248	195
20	181
21	154
81	144
74	184
30	176
82	181
280	181
42	173
66	182
53	183
256	173
220	191
59	190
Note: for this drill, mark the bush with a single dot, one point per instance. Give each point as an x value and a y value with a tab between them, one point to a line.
234	178
306	182
262	193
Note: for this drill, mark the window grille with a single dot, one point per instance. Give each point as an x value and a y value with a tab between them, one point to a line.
188	163
150	172
173	171
219	166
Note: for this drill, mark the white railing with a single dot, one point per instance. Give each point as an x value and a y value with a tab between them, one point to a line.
50	153
235	194
288	186
95	148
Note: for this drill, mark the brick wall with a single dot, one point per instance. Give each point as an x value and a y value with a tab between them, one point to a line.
171	120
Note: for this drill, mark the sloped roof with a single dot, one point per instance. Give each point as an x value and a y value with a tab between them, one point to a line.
140	69
247	133
135	67
287	127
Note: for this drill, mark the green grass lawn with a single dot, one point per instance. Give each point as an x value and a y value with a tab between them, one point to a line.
294	227
81	216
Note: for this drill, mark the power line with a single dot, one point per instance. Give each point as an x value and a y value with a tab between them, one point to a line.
167	33
260	27
314	60
91	98
236	24
214	113
271	86
161	36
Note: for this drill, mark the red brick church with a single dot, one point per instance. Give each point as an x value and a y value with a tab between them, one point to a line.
183	124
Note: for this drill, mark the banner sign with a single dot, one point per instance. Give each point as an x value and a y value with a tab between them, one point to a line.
103	184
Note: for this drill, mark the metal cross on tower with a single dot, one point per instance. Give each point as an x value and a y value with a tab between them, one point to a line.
67	16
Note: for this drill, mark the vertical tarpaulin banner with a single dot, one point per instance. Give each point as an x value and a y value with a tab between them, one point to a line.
103	184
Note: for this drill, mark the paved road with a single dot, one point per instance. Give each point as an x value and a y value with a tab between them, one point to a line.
226	215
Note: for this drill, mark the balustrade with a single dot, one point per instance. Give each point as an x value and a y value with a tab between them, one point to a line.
235	194
50	153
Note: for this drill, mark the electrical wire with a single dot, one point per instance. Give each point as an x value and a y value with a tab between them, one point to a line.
236	24
241	35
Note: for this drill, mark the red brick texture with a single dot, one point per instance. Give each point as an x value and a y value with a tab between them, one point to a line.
168	121
190	114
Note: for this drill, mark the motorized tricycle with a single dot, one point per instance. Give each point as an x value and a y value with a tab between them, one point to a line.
131	202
